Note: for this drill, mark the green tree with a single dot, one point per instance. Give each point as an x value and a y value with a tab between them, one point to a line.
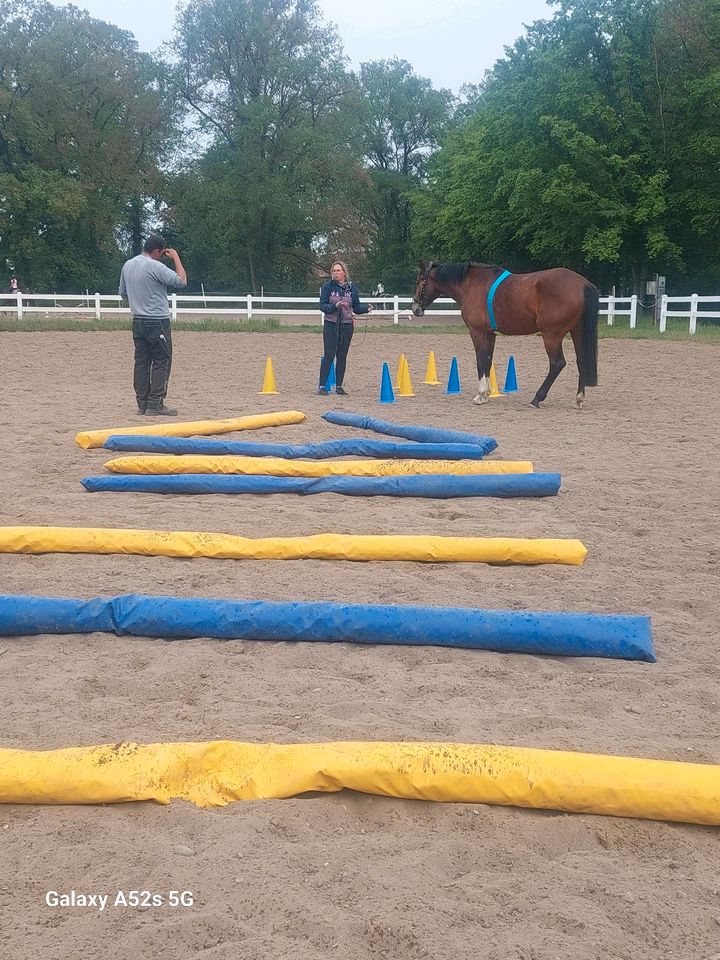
404	118
83	124
576	150
267	84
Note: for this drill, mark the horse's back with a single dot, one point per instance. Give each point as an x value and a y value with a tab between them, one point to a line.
558	278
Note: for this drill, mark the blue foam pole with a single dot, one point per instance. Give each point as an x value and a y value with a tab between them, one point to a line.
551	634
409	432
359	447
435	486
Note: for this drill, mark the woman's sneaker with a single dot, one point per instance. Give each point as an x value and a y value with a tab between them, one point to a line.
341	392
323	391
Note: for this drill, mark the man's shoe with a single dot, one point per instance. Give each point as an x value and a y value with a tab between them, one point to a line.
323	391
161	411
341	392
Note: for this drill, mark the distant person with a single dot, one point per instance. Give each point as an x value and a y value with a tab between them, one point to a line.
13	287
144	284
339	300
379	291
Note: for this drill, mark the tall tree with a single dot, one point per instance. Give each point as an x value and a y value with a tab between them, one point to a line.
404	118
576	150
267	84
82	127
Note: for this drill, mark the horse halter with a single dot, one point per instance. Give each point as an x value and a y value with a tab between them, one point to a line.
426	276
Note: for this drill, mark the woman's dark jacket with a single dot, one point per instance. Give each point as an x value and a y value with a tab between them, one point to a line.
334	291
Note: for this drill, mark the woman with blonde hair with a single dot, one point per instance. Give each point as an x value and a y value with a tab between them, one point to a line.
339	300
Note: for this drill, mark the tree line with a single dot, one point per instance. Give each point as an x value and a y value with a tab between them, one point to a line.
248	140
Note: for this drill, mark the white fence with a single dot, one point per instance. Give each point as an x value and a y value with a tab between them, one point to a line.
391	307
693	311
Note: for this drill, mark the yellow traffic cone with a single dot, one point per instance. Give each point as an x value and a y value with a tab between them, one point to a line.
269	385
405	388
494	392
398	375
431	372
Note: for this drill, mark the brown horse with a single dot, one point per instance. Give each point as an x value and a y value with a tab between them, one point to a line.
549	302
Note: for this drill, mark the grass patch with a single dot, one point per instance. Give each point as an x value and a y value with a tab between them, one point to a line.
677	327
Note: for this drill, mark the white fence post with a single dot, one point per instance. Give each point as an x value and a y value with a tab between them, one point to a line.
693	312
249	306
611	310
19	305
396	309
98	315
173	306
633	311
663	313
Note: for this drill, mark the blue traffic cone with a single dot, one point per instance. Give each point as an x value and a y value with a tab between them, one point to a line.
511	384
330	382
386	388
453	385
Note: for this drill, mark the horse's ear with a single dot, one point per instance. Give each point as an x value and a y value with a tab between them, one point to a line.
421	265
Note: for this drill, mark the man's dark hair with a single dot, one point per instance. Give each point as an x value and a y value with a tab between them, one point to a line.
154	242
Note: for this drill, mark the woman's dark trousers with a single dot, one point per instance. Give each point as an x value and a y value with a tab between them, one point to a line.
336	343
153	359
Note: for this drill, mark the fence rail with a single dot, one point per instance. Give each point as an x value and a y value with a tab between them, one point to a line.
247	305
693	312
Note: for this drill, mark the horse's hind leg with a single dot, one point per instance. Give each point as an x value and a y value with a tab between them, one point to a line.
554	349
580	396
484	348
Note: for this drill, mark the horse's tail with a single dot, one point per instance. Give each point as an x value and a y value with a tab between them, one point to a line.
587	359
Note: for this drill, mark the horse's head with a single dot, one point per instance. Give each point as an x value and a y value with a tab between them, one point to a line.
425	289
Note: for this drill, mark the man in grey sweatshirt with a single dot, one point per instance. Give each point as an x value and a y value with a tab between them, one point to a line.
144	284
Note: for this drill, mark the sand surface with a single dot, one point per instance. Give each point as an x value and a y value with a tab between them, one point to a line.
347	875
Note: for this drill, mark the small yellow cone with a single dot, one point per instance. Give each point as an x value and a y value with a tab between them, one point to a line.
398	375
405	389
494	392
269	385
431	372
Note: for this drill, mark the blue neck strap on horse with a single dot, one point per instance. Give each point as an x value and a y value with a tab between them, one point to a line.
491	296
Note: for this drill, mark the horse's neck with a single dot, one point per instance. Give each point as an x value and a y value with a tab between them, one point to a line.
452	289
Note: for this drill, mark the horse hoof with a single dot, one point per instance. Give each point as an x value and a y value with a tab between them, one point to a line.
535	404
478	400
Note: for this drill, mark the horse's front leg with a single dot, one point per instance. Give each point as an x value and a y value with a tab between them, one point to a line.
484	347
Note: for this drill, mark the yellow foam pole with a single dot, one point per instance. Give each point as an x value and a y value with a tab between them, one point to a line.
494	392
196	428
219	772
431	371
278	467
322	546
269	385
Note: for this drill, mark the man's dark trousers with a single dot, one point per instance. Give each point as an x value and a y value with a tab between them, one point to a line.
153	359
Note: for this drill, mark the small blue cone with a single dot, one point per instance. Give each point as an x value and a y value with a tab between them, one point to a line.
331	382
511	384
386	388
453	386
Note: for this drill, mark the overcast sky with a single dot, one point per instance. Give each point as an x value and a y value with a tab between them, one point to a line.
452	42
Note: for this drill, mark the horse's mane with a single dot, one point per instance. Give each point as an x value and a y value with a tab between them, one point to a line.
456	272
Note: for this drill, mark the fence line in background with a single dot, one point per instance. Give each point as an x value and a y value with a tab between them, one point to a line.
247	305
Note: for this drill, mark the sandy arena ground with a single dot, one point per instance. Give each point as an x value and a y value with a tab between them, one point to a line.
347	875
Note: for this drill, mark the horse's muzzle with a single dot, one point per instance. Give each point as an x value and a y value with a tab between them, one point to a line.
417	309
